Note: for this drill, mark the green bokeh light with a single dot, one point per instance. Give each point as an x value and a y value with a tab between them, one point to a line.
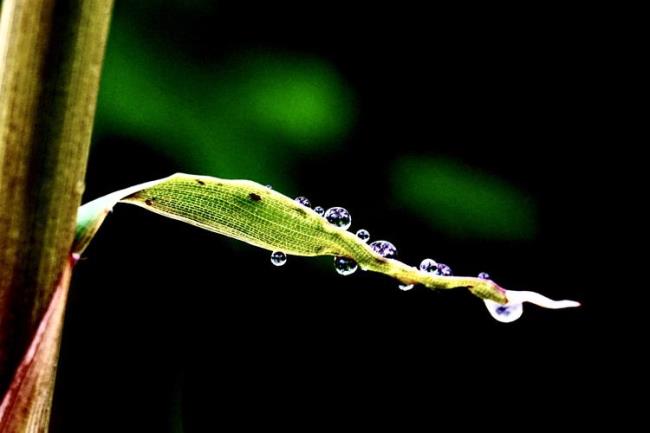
462	201
247	117
303	100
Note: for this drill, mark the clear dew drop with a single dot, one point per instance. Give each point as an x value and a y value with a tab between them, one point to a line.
338	216
504	313
344	265
484	276
319	210
406	287
269	186
384	249
278	258
444	270
303	201
363	234
429	265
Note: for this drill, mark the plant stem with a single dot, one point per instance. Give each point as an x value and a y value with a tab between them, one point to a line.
51	52
26	406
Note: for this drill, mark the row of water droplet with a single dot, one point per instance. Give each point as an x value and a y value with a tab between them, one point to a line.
341	218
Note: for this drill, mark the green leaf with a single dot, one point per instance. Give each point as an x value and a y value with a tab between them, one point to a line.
257	215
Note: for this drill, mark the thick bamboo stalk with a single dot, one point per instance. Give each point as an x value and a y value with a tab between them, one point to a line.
51	52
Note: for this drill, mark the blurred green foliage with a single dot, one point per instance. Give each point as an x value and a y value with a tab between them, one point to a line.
248	118
462	201
254	114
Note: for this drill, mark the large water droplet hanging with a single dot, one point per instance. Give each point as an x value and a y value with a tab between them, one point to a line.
429	265
504	313
344	265
339	216
363	234
384	249
484	276
319	210
303	201
278	258
406	287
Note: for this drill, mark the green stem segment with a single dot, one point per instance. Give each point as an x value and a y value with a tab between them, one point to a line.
255	214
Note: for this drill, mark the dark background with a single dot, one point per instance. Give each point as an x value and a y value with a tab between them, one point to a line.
173	329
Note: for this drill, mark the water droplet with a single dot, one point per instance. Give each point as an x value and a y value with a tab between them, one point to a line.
363	234
504	313
339	216
319	210
429	265
443	270
303	201
515	306
269	186
278	258
344	265
484	276
406	287
384	249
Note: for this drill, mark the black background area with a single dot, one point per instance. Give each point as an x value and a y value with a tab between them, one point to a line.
166	320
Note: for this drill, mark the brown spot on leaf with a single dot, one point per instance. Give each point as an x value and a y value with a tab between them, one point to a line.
199	181
254	197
